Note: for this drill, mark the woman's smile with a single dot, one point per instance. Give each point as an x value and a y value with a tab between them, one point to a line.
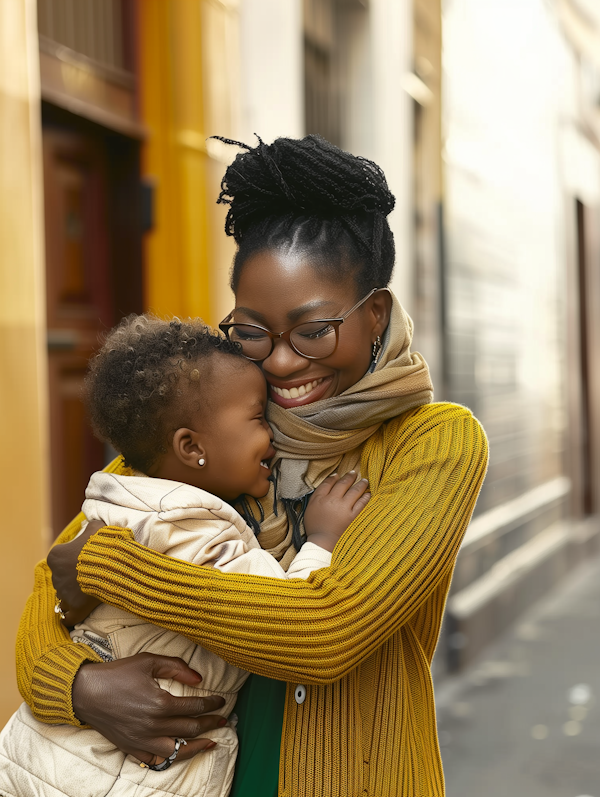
298	392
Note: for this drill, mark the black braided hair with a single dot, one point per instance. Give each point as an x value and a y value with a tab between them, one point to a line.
310	194
136	389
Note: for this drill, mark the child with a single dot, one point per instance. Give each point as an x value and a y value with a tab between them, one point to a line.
187	412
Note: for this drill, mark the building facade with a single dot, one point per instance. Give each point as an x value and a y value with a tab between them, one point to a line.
107	186
522	178
489	137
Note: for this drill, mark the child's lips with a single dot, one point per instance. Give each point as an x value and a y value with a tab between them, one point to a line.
269	456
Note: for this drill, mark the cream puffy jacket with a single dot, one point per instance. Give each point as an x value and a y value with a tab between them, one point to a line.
38	760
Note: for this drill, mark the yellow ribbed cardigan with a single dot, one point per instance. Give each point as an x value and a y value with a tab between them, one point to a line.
360	634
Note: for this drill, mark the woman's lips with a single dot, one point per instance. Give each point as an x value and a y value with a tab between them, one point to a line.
300	393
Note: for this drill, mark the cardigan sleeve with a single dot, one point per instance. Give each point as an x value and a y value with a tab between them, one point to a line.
47	660
425	471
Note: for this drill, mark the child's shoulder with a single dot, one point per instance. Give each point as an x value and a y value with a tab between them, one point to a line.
156	494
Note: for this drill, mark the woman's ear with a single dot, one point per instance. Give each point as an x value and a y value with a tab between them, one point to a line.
381	309
188	448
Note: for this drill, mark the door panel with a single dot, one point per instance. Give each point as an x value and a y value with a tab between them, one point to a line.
78	303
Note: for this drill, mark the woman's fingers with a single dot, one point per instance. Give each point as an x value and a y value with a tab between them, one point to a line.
171	667
190	727
167	745
124	703
73	616
62	561
193	747
193	709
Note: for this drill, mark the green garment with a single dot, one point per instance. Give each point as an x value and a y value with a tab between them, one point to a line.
259	707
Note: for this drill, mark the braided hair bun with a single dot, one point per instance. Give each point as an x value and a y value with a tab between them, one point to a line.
307	191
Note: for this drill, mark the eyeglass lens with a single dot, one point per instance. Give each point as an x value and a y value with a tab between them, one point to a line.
314	339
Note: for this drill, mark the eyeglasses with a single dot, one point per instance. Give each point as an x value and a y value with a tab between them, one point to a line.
313	339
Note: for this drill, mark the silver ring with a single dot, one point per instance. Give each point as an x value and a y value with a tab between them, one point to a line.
168	761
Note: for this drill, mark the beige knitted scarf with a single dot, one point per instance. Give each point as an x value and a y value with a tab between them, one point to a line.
318	439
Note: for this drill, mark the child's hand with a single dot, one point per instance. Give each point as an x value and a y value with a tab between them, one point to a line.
333	506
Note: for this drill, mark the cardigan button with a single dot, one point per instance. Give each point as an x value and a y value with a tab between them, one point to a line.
300	694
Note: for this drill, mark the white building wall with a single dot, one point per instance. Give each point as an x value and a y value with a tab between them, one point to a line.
376	44
271	79
506	89
514	167
391	108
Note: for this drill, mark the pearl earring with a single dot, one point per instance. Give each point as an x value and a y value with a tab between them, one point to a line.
202	462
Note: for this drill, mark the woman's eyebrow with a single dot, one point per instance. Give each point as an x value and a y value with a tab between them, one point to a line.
298	312
293	315
253	313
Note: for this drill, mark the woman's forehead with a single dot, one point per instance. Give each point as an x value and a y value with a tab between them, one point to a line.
290	287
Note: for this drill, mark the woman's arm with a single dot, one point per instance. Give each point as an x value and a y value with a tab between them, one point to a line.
47	659
424	473
131	711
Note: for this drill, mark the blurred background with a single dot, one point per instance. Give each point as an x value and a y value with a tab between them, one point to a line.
485	115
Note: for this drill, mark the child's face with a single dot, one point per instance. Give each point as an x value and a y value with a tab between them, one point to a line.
235	434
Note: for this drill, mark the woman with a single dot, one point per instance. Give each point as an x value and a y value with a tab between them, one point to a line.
354	643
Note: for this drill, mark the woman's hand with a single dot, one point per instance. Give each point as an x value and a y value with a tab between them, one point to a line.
62	561
332	508
122	701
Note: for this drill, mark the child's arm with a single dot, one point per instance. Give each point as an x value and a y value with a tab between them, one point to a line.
218	537
333	506
331	509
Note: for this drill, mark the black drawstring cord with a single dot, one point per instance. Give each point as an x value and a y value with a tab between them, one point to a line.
243	506
295	509
273	479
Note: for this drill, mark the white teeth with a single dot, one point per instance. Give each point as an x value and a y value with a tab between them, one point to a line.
297	392
264	465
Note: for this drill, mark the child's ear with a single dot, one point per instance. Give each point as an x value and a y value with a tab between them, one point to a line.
188	448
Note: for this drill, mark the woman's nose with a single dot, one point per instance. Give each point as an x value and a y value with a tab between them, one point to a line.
283	360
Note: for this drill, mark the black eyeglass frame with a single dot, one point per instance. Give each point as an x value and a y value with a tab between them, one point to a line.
225	326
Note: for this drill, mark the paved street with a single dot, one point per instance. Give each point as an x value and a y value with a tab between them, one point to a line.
524	721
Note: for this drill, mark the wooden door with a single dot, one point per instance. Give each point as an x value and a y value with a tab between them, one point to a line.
78	303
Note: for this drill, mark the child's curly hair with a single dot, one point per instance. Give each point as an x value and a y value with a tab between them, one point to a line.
134	391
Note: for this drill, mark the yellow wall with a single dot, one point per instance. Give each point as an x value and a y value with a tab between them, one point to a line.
187	94
23	419
188	69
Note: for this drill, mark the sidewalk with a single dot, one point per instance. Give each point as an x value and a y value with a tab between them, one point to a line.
524	721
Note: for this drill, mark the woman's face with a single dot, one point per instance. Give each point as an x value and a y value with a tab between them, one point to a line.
281	289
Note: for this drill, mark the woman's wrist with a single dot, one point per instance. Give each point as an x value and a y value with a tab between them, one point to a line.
81	688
